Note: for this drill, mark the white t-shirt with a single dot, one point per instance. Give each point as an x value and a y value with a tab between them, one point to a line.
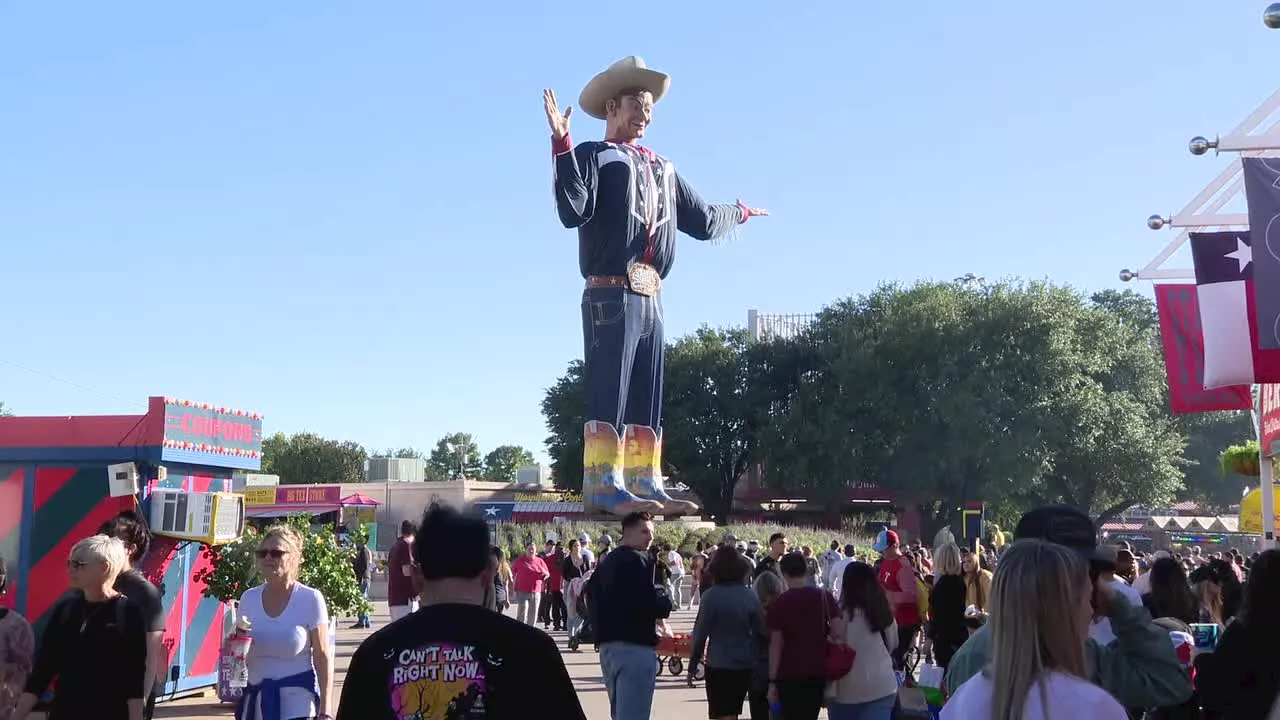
1068	698
872	675
282	645
675	563
1100	629
837	576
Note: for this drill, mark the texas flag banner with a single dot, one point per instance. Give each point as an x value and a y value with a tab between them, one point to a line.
1262	190
1184	356
1224	293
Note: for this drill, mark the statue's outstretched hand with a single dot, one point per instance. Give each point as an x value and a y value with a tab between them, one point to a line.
753	211
558	121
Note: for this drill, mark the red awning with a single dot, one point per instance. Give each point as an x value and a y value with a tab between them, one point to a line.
358	499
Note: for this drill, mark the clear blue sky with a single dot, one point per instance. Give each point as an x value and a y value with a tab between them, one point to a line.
340	214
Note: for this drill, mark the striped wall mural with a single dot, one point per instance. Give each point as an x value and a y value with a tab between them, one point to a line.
11	484
67	505
45	510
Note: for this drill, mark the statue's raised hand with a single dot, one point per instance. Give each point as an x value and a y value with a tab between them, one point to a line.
558	121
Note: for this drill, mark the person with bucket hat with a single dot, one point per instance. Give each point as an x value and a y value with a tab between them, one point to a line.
1140	668
626	202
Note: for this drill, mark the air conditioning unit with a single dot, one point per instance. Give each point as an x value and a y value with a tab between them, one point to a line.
214	518
122	479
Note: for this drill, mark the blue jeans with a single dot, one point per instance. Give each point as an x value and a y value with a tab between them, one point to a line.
363	619
881	709
629	675
623	356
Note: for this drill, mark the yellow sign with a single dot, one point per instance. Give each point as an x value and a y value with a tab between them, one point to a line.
547	497
1251	513
259	496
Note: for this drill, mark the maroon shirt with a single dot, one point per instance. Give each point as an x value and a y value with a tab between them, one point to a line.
399	587
799	616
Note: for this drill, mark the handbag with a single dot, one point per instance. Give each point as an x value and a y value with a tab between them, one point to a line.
839	656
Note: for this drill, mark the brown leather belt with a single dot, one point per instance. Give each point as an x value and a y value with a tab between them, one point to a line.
607	281
641	278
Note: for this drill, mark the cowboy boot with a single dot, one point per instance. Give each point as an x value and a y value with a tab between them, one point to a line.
642	469
602	489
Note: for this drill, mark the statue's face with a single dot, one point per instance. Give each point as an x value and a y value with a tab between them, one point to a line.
630	114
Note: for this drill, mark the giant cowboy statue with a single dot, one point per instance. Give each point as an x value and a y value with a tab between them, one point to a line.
627	203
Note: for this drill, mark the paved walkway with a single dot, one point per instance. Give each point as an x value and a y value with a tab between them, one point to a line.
674	699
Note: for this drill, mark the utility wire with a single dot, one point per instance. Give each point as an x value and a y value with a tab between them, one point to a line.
68	382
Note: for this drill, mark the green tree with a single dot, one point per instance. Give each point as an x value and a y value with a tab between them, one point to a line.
719	391
307	458
4	412
1112	441
455	456
1208	434
564	407
1014	394
502	463
404	453
923	390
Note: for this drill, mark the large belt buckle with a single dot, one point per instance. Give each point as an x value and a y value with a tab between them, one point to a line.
644	279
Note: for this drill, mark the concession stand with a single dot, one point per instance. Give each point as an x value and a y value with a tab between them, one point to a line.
62	477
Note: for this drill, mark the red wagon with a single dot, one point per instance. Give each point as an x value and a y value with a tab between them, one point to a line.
674	650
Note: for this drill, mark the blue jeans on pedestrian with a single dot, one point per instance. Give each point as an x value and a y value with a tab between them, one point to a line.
629	675
881	709
363	619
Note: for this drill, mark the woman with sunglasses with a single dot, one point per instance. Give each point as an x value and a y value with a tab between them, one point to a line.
290	669
95	643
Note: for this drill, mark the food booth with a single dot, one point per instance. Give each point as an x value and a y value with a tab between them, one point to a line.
62	477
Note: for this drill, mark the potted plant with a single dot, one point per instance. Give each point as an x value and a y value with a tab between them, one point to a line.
326	566
1241	459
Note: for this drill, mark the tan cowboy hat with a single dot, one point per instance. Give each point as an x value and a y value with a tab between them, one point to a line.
629	72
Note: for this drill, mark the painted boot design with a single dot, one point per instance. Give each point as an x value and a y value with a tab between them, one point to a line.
642	469
602	489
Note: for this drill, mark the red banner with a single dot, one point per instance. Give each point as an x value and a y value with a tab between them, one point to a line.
1183	342
1270	419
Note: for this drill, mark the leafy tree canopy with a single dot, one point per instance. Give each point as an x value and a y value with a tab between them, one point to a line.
307	458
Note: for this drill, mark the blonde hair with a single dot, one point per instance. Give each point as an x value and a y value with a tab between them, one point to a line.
768	587
946	560
290	537
105	549
1036	623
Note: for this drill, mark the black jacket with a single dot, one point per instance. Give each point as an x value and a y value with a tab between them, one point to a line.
624	602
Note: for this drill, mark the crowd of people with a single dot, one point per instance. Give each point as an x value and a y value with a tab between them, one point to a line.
1051	624
1054	622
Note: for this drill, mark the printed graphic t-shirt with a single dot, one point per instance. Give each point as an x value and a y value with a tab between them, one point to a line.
458	662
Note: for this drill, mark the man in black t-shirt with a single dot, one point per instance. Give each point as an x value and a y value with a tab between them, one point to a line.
128	527
454	659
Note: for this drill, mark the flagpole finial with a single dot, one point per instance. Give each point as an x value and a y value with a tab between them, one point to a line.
1200	145
1155	222
1126	275
1271	16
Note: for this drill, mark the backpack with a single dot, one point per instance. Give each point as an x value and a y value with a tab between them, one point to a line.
922	598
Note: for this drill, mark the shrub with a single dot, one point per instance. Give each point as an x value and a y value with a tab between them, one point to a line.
326	566
512	537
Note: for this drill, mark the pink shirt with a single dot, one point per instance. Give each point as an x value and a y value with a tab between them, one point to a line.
529	572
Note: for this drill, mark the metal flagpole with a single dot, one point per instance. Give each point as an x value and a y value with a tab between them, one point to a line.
1202	213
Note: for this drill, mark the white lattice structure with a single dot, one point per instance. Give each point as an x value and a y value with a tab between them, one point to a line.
1219	206
777	327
